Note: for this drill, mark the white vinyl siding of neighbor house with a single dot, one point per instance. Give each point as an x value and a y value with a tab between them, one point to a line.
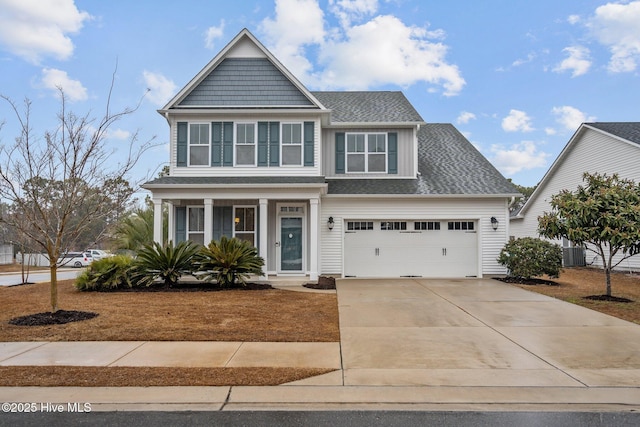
490	242
246	171
592	152
405	151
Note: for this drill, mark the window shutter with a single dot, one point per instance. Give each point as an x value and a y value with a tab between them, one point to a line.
392	153
182	144
274	144
340	152
181	224
222	222
227	144
308	143
263	148
216	144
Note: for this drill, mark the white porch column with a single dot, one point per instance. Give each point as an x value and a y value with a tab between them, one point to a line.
314	209
157	220
208	221
171	226
264	233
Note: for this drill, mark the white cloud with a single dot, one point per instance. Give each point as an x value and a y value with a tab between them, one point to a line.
570	117
349	10
573	19
54	79
161	89
212	34
517	121
33	29
381	50
577	61
518	157
530	57
550	131
616	25
465	117
118	134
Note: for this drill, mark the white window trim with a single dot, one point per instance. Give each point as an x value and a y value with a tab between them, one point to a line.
282	144
366	152
255	222
189	145
235	144
187	228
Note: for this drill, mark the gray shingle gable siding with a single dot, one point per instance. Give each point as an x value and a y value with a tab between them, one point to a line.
368	107
626	130
245	82
448	165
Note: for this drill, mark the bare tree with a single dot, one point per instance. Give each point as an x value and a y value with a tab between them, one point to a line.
56	186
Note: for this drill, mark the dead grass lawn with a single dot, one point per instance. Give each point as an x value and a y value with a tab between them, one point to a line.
577	283
238	315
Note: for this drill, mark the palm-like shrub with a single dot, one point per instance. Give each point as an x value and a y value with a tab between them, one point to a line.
166	262
229	262
106	274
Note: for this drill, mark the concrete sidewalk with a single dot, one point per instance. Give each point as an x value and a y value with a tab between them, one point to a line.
409	344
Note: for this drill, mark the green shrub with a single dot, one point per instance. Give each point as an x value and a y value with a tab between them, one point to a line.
229	262
530	257
166	262
106	274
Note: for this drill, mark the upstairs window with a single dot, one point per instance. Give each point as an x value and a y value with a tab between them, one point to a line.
291	144
245	144
198	144
366	152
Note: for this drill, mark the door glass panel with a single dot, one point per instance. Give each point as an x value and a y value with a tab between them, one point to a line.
291	244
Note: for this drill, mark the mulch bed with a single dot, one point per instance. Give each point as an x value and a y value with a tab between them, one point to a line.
324	283
607	298
191	287
522	281
60	317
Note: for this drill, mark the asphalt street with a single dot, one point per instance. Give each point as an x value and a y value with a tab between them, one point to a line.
325	418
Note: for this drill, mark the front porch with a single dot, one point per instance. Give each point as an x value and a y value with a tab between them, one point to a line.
283	226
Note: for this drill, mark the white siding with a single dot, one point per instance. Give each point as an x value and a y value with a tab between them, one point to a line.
490	242
241	170
591	152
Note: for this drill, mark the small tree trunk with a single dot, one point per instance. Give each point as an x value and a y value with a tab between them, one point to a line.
54	286
607	272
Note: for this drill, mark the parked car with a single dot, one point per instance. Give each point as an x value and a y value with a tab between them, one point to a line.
75	259
97	254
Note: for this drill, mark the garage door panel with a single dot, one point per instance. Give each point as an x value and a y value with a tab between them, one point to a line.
380	252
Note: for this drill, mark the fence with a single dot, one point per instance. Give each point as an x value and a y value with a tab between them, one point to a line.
6	254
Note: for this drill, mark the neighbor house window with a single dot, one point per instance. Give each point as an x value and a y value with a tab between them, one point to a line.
246	144
244	219
366	152
291	144
195	224
198	144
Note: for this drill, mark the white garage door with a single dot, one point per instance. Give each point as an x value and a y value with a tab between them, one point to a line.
410	248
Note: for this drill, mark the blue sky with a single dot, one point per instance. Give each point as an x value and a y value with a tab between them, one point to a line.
515	77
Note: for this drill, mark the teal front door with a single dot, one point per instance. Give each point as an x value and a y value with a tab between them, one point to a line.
291	244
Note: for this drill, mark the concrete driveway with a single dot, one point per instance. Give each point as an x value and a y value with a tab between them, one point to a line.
478	332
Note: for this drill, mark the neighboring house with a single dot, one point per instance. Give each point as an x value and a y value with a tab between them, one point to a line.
605	148
340	183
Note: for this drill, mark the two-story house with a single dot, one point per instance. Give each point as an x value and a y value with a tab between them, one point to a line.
341	183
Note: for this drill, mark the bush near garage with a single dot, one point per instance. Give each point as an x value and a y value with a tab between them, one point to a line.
106	274
529	257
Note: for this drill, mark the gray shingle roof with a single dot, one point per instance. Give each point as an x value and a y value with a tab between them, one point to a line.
368	107
246	82
204	180
627	130
448	165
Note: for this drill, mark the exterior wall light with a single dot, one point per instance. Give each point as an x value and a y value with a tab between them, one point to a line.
494	223
330	223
